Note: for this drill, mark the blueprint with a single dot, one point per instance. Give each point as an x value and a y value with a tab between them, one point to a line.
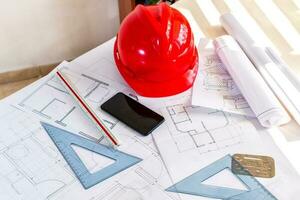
191	138
214	87
31	167
194	137
56	98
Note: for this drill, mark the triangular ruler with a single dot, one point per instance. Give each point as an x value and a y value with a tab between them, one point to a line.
193	184
63	141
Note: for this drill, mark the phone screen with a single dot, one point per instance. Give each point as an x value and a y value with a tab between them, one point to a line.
132	113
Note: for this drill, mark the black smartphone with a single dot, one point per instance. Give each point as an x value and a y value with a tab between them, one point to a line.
132	113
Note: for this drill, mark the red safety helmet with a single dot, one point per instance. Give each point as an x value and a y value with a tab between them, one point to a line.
155	51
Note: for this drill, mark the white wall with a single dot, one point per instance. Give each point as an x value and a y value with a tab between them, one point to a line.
38	32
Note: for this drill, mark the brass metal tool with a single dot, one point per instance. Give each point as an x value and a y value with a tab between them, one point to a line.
256	165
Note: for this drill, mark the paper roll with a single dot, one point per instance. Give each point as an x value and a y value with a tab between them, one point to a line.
260	98
271	67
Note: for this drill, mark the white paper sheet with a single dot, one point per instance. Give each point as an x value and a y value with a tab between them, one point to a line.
145	181
38	171
31	167
195	137
268	63
214	87
255	90
230	133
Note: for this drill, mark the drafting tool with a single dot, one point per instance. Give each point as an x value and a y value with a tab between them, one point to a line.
88	110
256	165
63	141
193	184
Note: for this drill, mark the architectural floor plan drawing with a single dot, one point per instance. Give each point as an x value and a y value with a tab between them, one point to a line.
209	130
31	167
214	87
201	129
55	98
193	137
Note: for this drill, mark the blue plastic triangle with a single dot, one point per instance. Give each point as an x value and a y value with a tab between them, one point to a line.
63	141
259	194
193	184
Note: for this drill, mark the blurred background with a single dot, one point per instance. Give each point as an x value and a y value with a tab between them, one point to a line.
36	35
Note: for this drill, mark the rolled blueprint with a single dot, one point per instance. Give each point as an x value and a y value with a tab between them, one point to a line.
271	67
260	98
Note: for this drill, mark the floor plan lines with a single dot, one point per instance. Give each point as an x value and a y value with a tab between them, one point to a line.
95	92
50	101
239	102
25	158
111	124
216	82
61	121
31	167
214	87
49	176
54	98
56	105
196	131
94	86
53	103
